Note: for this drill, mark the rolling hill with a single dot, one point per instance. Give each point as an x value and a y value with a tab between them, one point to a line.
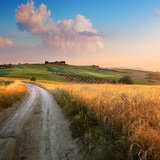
44	72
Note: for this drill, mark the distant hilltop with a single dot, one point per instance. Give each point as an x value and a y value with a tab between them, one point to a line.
5	66
56	62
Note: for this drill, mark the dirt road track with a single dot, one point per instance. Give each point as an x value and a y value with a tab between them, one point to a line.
36	129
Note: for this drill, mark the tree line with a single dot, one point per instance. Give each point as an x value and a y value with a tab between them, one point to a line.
153	75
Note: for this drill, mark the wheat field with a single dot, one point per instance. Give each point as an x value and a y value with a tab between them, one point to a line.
130	110
11	93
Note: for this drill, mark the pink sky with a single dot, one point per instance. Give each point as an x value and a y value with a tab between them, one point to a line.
77	41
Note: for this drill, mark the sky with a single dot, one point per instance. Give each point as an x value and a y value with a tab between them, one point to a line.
108	33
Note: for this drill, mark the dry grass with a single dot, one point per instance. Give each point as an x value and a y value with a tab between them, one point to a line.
11	93
132	111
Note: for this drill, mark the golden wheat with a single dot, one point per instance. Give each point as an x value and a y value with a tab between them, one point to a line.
132	109
11	93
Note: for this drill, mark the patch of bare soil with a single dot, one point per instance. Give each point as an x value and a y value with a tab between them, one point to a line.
36	129
62	77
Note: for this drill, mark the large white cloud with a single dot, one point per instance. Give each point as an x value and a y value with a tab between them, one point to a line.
5	43
33	20
66	36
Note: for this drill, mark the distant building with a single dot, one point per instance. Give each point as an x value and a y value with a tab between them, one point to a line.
94	66
56	62
62	62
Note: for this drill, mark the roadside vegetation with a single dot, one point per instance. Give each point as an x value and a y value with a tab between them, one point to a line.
10	93
114	121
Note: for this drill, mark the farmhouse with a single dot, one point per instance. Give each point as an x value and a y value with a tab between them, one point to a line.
56	62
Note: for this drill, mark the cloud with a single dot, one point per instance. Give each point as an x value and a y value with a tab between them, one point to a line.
157	13
68	36
32	20
91	34
5	43
13	36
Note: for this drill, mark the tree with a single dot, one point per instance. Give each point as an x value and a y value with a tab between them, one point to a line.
33	78
126	80
114	81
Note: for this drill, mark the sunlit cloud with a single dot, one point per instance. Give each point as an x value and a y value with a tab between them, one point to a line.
68	36
5	43
32	20
91	34
157	13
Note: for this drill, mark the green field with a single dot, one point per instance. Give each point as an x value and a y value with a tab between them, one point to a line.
44	72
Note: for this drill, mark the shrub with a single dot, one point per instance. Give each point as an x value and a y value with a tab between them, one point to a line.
33	78
113	81
126	80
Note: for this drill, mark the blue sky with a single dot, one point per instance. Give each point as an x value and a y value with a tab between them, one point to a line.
131	32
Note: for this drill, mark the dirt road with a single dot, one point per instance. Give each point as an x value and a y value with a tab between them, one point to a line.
36	129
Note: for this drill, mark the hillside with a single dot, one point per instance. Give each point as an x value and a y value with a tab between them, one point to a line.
44	72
